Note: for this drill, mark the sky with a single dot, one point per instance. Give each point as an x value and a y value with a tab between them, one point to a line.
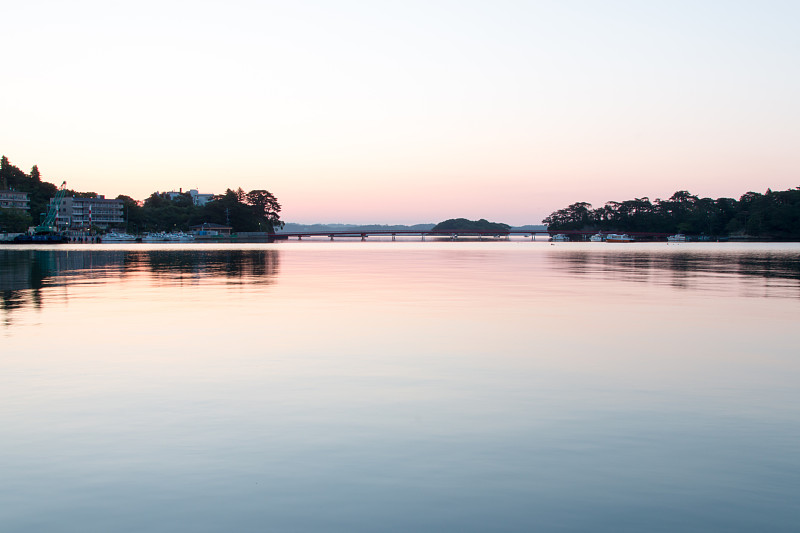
402	112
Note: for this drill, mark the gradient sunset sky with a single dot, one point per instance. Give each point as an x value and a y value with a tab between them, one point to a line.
406	111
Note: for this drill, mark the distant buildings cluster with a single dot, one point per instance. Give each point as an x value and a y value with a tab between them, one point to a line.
198	198
80	214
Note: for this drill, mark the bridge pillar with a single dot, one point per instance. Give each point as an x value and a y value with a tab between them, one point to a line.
423	236
331	236
393	235
363	236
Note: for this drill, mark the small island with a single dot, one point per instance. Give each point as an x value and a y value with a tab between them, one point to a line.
462	225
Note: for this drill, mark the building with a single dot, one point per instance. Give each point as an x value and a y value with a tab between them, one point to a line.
83	213
207	229
200	198
14	200
197	197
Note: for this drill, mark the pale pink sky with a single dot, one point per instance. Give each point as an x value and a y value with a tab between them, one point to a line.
405	112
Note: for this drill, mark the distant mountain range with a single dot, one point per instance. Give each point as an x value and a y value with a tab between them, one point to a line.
292	227
530	227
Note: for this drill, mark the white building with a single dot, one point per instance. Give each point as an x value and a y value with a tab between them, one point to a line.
200	198
197	197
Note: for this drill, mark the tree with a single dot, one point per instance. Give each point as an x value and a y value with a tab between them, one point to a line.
133	213
156	199
35	176
577	216
13	177
265	207
14	220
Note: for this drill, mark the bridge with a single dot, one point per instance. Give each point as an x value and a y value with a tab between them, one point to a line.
454	235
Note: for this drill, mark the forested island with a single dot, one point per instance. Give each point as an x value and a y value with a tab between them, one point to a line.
774	215
257	210
478	226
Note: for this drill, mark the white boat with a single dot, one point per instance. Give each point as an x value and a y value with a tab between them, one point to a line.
598	237
559	238
177	236
155	237
118	237
618	237
678	237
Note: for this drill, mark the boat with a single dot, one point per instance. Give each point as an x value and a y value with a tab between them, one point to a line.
42	238
154	237
678	237
180	236
168	237
118	237
598	237
559	238
618	237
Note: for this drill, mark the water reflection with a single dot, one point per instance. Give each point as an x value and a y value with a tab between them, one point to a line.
772	273
400	387
239	266
25	273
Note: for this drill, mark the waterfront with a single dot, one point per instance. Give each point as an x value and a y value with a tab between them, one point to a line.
494	386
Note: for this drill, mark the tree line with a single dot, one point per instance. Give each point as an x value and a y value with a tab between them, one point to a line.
257	210
772	215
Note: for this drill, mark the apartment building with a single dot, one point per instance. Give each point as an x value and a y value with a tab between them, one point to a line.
14	200
83	213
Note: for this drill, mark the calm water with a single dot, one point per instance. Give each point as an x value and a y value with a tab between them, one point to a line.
495	386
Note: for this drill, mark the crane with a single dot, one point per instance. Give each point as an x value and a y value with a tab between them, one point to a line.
48	225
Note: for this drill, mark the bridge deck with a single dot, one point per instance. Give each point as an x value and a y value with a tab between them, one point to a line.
453	234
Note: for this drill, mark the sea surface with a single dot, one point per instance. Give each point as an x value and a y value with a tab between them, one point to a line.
400	386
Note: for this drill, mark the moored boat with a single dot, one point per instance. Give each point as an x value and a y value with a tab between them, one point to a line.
155	237
559	238
178	236
618	237
45	238
678	237
118	237
597	237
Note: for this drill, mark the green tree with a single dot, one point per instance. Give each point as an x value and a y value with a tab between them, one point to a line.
227	209
133	213
14	220
576	216
266	208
